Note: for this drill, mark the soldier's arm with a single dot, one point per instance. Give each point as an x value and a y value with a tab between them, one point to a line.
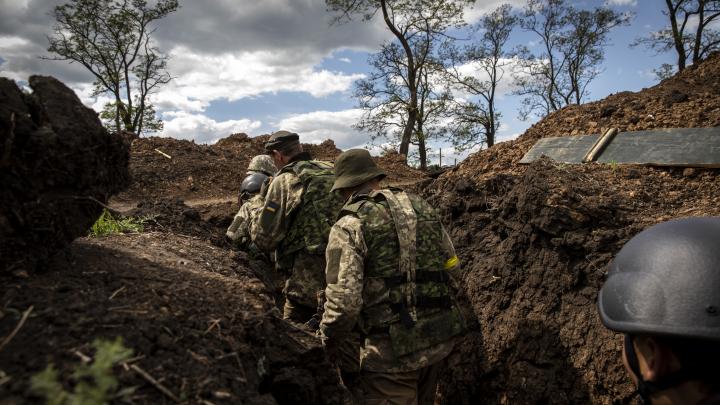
270	225
249	210
345	255
452	262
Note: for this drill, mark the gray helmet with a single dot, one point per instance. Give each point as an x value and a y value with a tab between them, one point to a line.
354	167
252	183
666	281
263	164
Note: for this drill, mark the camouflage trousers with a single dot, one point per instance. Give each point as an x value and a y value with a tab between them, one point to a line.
305	279
408	388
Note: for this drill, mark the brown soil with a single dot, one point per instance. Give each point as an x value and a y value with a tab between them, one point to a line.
536	240
196	315
57	167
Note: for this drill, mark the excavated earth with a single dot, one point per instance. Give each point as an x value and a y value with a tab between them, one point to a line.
536	240
58	166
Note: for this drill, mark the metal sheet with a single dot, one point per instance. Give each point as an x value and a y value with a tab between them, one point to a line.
566	149
690	147
695	147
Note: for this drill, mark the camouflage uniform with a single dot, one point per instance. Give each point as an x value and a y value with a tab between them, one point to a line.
382	240
294	222
239	230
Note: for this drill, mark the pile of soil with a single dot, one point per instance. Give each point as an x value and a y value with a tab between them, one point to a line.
398	172
689	99
535	242
195	315
58	167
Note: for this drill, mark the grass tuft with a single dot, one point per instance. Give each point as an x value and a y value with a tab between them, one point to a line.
109	225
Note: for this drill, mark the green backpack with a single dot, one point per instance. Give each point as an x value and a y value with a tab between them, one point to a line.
311	223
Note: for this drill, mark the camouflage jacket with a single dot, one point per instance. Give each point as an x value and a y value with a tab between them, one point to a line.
295	221
239	230
368	259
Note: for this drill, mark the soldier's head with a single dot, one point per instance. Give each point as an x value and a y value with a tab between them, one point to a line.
262	164
663	293
355	169
283	146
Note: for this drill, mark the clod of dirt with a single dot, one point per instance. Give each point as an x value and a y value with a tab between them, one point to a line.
58	166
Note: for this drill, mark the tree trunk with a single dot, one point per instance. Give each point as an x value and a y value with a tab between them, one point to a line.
421	150
411	78
677	36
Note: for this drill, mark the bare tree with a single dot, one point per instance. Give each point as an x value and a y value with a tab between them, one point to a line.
573	46
384	97
415	25
111	39
476	122
689	34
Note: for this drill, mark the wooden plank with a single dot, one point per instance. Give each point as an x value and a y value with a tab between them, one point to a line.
690	147
565	149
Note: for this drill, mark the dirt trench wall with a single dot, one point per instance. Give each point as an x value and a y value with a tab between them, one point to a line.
534	248
58	165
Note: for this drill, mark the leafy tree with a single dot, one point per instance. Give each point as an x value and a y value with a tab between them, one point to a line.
418	26
690	33
572	46
476	122
111	39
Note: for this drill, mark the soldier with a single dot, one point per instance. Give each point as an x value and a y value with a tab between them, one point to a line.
295	222
389	268
260	169
663	293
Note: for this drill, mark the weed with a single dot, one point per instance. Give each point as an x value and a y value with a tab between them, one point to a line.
96	382
109	225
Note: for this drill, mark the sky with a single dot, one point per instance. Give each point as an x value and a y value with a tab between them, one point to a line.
260	66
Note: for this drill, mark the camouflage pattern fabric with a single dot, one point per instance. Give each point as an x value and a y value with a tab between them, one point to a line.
263	164
295	222
239	230
363	255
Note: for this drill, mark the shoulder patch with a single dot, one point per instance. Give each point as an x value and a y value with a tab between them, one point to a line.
271	206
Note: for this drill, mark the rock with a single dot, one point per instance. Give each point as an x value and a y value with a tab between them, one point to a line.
689	172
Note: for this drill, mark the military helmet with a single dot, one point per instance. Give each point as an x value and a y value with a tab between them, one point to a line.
262	164
666	281
354	167
282	140
252	183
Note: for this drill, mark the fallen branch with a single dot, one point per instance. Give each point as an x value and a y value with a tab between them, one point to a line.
24	318
154	382
163	153
116	293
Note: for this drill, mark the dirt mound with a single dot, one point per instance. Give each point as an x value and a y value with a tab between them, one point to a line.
398	172
687	100
535	241
195	316
58	166
535	247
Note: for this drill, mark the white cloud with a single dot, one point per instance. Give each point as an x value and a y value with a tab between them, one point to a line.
346	60
183	125
476	11
317	126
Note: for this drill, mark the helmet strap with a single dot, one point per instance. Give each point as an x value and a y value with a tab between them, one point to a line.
645	389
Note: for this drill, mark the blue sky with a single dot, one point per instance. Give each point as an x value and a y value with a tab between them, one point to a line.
257	67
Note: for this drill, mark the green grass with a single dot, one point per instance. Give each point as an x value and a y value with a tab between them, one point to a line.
109	225
95	382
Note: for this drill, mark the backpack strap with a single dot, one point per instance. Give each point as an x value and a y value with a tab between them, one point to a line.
405	220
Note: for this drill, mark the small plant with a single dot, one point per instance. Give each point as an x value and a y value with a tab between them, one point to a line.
614	165
109	225
96	383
